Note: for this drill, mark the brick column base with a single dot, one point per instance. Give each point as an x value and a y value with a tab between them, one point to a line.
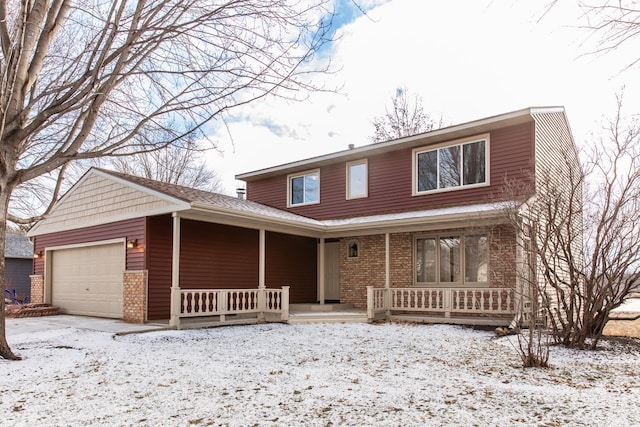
37	289
134	296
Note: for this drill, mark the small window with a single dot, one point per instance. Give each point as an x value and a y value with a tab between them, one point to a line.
451	167
353	249
304	188
357	179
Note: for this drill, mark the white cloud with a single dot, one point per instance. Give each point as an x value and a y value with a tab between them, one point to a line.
466	59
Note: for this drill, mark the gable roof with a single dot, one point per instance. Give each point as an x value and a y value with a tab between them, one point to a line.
435	136
102	196
134	196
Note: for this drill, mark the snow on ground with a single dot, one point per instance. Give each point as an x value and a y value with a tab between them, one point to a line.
311	375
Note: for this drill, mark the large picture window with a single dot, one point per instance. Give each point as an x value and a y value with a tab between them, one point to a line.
451	259
451	167
304	188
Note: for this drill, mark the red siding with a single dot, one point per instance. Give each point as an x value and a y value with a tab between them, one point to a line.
159	256
390	181
128	229
218	256
211	256
292	261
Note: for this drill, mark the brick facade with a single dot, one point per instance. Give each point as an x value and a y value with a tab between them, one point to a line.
134	296
37	289
368	269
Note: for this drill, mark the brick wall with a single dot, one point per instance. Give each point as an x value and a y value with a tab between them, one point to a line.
37	289
134	296
502	257
368	269
401	265
365	270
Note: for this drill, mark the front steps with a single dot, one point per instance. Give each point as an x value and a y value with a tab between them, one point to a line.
30	310
326	313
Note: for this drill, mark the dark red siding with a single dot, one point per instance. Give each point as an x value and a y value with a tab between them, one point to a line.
218	256
390	181
212	256
128	229
159	258
292	260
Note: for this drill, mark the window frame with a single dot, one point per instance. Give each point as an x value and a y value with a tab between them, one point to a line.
436	147
291	177
349	165
461	256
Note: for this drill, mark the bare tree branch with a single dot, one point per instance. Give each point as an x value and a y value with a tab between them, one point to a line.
85	79
405	118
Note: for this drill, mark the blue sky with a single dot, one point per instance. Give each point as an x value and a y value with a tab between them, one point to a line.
467	59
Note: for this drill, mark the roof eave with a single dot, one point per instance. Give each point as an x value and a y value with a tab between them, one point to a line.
434	136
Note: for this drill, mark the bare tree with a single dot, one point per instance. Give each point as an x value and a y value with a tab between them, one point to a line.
614	23
88	79
581	234
406	118
173	164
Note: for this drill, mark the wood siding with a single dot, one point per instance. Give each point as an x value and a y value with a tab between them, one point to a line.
97	200
128	229
390	181
292	260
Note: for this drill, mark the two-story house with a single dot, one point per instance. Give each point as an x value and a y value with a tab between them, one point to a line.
409	226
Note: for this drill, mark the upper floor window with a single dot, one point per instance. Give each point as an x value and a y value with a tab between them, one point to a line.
357	179
304	188
452	166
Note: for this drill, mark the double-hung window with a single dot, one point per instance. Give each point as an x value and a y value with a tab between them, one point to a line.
304	188
457	165
451	259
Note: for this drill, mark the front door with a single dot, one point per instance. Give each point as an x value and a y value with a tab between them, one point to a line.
332	272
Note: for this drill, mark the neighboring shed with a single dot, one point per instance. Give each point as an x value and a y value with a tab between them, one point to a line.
18	256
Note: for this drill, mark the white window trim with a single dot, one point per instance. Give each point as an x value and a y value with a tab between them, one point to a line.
297	175
414	164
348	179
463	242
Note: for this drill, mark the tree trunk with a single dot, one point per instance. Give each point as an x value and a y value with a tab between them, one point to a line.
5	350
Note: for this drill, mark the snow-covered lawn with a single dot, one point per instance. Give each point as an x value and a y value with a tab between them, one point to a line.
311	375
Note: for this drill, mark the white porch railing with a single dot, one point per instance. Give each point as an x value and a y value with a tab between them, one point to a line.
441	301
254	303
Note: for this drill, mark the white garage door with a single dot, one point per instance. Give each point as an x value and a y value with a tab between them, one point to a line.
88	280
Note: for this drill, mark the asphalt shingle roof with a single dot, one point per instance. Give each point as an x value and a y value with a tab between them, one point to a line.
17	245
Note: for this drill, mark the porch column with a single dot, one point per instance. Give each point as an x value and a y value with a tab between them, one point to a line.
387	261
262	259
175	273
321	271
387	275
262	292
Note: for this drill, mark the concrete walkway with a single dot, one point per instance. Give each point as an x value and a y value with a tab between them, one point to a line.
46	323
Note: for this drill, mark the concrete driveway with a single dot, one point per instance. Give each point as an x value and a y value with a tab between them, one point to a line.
624	321
25	325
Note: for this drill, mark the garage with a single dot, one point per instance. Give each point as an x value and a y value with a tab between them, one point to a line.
87	280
